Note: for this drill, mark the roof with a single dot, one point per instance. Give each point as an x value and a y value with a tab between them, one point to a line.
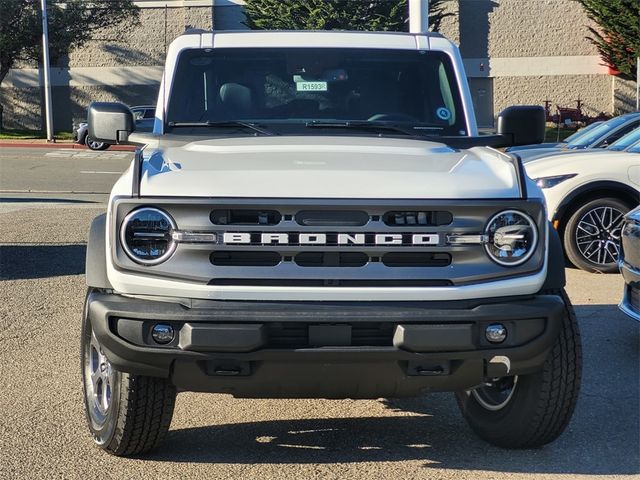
308	39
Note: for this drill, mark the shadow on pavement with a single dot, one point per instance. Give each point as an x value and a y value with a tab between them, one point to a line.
427	439
20	262
602	438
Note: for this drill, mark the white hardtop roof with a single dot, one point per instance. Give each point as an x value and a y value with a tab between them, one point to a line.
309	38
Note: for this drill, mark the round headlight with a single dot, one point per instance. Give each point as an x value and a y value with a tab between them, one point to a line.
146	236
512	237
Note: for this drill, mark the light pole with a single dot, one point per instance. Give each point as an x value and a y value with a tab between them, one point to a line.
45	64
418	16
638	84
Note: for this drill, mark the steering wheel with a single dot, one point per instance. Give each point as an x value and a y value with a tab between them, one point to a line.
391	117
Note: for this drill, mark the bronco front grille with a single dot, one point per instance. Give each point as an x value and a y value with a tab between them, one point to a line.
332	243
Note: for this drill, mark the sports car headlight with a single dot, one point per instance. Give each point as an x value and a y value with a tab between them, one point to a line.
548	182
146	236
512	237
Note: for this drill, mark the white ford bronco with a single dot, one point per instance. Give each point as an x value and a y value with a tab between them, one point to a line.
316	216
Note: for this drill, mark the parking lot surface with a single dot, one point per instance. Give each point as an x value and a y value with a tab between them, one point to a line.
42	426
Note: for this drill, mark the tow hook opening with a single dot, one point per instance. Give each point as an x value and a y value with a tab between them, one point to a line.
429	369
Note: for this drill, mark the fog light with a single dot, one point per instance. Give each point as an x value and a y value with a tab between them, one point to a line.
162	333
496	333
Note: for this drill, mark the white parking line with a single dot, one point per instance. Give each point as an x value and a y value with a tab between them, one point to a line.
69	153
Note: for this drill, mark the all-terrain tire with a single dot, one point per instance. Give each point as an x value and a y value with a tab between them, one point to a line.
139	409
542	403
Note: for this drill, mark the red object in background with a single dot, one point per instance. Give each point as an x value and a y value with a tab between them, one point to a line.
612	70
571	117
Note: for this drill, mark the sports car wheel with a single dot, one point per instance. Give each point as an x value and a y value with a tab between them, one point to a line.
592	235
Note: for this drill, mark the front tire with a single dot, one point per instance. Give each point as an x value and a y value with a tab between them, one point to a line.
529	411
592	235
94	144
127	414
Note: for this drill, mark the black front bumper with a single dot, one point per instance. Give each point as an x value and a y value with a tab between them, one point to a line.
326	350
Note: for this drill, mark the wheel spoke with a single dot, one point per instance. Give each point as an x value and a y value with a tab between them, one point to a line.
95	379
613	250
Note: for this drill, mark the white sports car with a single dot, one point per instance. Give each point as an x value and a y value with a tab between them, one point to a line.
588	194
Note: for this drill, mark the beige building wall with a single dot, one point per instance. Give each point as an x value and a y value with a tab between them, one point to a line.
121	64
515	52
529	51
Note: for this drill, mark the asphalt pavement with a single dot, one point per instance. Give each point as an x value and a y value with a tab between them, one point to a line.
43	232
31	170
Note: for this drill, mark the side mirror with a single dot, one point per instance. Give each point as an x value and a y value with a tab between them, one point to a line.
110	122
522	125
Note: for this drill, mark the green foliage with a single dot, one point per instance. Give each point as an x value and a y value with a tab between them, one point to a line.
386	15
70	26
618	35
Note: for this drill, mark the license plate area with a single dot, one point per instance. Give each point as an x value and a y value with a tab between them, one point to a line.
329	335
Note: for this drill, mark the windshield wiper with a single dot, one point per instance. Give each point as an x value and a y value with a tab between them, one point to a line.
223	124
360	125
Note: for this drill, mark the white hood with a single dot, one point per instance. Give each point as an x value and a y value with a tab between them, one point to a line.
325	167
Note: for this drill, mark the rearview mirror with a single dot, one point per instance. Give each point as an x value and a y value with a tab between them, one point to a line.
110	122
522	124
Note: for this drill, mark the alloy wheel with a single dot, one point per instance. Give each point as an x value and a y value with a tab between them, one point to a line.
99	380
496	395
597	235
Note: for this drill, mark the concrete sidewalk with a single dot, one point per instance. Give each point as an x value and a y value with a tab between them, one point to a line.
42	143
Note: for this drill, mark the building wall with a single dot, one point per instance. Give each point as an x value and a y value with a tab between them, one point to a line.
532	51
515	52
121	64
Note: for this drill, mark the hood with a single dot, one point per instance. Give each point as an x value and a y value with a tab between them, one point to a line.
324	167
535	154
536	146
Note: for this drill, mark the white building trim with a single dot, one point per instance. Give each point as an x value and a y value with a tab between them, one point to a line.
151	75
85	76
174	3
534	66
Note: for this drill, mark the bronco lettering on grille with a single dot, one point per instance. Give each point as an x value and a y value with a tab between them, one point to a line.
261	238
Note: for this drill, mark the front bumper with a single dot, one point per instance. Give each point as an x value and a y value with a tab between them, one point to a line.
630	303
630	267
325	349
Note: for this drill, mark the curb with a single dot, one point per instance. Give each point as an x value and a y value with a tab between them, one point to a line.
67	145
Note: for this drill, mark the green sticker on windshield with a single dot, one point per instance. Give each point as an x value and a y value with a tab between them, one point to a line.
311	86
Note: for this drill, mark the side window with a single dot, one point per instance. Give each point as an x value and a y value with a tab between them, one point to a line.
149	113
137	114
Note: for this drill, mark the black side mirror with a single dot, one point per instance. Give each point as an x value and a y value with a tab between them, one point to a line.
110	122
522	124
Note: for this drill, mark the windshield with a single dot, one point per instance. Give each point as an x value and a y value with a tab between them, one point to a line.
581	132
626	141
277	87
634	148
598	132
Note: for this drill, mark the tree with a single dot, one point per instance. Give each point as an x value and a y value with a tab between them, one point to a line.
618	36
71	25
388	15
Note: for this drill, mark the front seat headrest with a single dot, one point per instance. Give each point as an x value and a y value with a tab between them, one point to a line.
236	97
